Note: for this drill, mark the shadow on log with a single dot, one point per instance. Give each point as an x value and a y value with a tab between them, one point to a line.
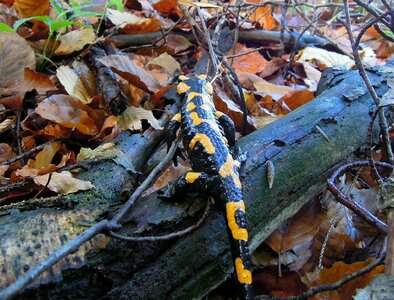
193	265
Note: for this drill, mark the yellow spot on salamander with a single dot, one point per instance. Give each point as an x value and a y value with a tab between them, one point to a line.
196	119
190	106
227	169
244	276
237	232
202	76
204	97
219	114
192	176
205	142
183	77
182	88
176	118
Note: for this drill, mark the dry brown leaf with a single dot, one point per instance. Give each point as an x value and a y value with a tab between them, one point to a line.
168	7
131	23
31	8
74	85
42	164
68	112
75	41
169	175
6	152
323	58
252	62
295	99
63	183
15	56
175	44
167	62
263	16
6	124
263	87
299	230
129	70
132	117
312	76
340	270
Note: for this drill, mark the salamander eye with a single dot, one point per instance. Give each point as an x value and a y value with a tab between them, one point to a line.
209	88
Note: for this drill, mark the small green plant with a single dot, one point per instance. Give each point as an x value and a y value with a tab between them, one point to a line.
64	18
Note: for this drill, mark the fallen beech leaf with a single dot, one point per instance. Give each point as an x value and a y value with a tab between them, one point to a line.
128	70
323	58
75	41
6	124
175	43
312	76
168	7
131	23
42	164
68	112
31	8
263	87
63	183
252	62
73	84
199	4
298	230
132	117
15	55
263	16
6	152
273	66
167	62
338	271
295	99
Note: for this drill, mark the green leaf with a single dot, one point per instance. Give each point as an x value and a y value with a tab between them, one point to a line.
116	3
53	26
5	28
47	20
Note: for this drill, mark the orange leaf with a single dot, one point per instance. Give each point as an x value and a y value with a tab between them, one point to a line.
6	152
130	23
252	62
338	271
299	230
295	99
68	112
168	7
31	8
263	16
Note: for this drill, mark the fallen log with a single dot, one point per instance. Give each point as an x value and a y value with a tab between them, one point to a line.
191	266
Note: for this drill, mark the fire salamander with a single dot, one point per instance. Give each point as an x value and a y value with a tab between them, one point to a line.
207	135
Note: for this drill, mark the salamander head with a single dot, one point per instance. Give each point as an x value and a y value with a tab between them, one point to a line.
196	83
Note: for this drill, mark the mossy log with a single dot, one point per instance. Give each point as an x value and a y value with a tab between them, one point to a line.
305	147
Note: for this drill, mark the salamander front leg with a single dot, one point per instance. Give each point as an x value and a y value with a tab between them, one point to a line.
191	182
228	127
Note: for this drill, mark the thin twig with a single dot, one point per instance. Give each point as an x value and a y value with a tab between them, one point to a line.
156	238
28	153
333	286
117	219
353	206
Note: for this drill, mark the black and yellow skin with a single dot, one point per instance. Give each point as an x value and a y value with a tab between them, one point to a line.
207	135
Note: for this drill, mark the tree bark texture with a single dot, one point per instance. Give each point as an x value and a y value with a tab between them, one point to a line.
191	266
